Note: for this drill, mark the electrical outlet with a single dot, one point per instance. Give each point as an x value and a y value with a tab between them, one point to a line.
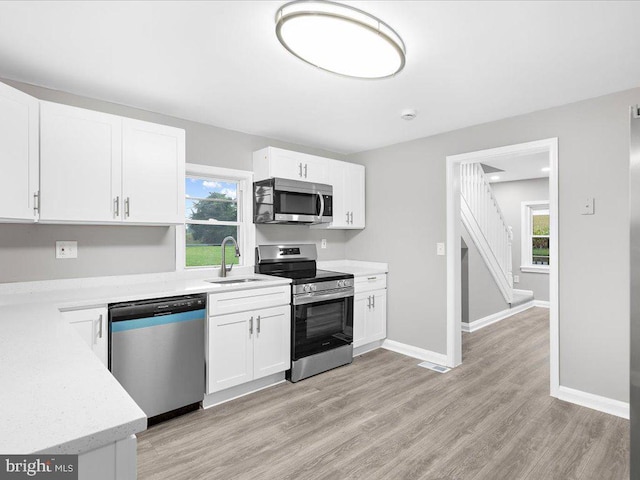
67	249
323	243
516	279
440	249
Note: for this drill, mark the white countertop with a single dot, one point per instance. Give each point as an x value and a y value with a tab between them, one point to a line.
355	267
56	395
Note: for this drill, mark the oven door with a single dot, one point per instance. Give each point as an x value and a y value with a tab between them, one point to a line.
321	323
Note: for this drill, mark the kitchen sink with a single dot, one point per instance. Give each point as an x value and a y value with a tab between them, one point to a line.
231	281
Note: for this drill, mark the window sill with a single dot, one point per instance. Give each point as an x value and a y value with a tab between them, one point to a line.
535	269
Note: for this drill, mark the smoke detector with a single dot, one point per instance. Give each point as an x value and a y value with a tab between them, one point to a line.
408	114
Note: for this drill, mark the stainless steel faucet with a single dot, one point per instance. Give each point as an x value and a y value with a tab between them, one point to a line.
223	268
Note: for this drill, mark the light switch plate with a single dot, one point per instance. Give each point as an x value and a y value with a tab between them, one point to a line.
323	243
440	249
516	279
66	249
588	208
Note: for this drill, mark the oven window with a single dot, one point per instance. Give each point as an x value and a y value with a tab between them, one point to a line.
297	203
321	326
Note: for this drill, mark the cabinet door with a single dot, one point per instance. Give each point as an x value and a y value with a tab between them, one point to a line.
377	324
19	154
338	178
230	350
361	309
153	172
298	166
80	161
91	324
272	344
355	179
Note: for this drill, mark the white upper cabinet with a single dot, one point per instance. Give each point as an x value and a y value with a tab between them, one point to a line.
80	162
348	196
276	162
153	158
18	155
101	168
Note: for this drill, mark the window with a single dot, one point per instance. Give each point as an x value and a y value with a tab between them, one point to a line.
216	203
535	237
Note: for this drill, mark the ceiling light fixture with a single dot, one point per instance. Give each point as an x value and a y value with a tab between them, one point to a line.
408	114
546	169
340	39
495	177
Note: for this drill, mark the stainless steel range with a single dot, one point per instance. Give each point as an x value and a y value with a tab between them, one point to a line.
321	308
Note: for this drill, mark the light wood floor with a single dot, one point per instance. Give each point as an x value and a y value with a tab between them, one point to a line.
383	417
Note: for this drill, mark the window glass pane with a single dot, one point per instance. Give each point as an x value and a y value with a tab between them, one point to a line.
203	245
540	250
540	224
211	199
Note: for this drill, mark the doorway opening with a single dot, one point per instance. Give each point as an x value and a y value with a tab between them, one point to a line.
457	275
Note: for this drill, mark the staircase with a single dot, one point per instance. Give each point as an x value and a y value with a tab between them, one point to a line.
482	217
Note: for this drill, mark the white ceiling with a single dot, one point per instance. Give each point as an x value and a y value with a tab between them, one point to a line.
220	63
518	167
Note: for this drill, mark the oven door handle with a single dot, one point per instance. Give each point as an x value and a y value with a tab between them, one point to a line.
305	299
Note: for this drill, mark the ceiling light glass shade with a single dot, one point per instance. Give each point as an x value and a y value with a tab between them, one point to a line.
340	39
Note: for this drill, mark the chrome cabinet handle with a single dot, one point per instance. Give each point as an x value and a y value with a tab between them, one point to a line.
300	166
347	217
351	218
369	301
251	326
373	302
36	202
100	326
371	278
305	170
116	207
127	205
258	324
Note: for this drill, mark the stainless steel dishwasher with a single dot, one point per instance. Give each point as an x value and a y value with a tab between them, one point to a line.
157	353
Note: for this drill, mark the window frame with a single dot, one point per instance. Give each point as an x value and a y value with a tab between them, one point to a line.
246	227
526	221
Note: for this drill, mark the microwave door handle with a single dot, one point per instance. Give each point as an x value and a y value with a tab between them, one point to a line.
321	206
319	217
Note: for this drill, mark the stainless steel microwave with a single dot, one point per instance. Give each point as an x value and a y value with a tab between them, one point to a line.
280	200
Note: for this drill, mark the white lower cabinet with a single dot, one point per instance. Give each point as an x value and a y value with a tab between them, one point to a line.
370	310
91	324
247	345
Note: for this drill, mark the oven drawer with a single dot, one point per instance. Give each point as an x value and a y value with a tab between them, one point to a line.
370	282
251	299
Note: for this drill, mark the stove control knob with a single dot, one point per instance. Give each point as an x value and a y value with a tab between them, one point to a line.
341	283
306	288
313	287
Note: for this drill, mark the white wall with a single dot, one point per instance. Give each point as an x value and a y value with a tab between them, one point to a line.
510	196
27	252
406	217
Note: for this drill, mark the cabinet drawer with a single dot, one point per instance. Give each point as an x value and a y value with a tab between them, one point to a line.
243	300
370	282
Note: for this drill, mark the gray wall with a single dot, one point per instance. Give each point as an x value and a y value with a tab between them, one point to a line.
403	228
28	252
484	296
510	196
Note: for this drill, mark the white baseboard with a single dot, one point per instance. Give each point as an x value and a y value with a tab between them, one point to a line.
495	317
415	352
368	347
541	303
213	399
595	402
523	292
